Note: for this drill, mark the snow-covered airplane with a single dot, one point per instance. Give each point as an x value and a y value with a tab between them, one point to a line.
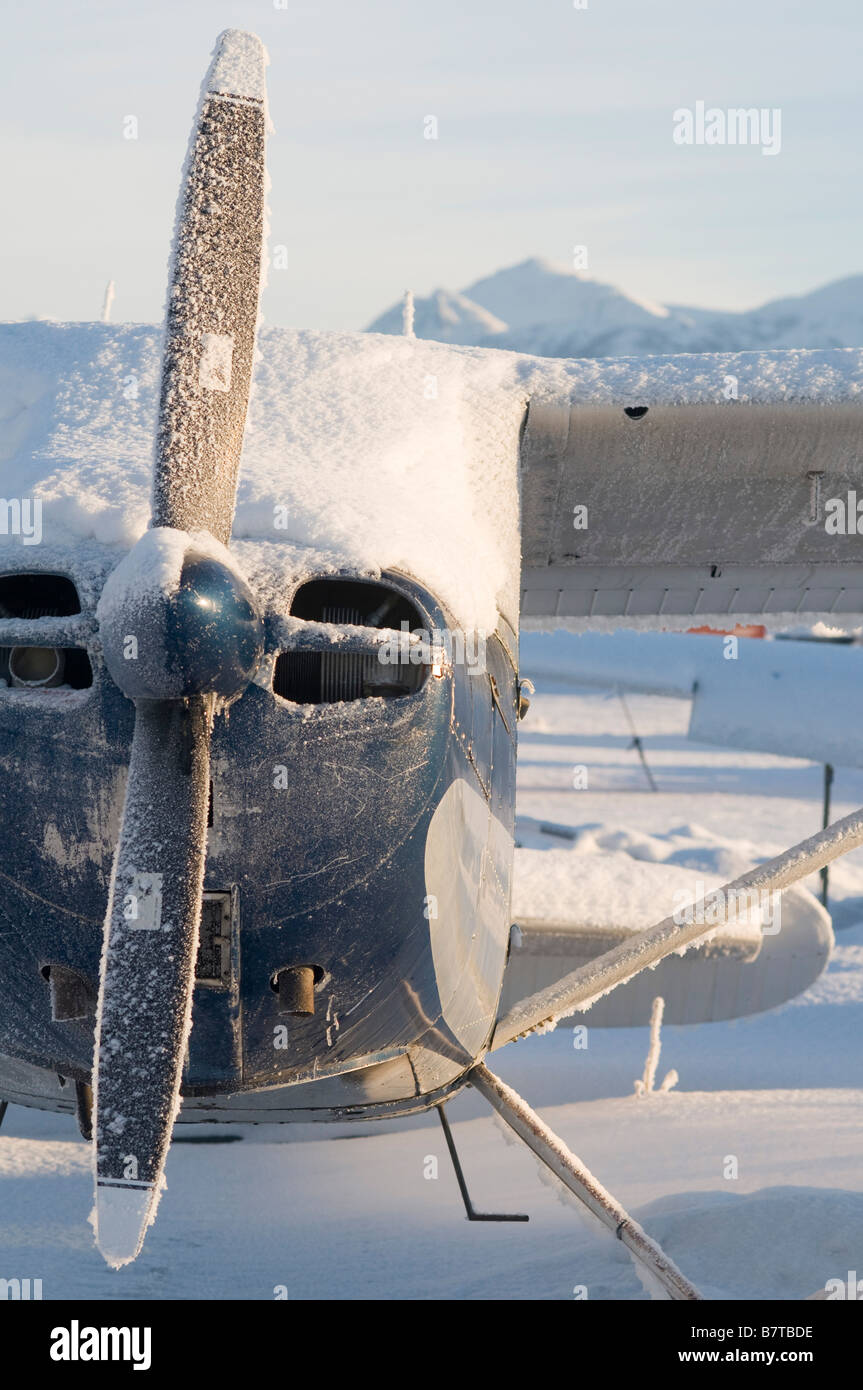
263	728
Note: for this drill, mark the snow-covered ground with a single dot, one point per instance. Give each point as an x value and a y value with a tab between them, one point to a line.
776	1098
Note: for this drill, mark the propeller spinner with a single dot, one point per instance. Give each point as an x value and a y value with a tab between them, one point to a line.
180	631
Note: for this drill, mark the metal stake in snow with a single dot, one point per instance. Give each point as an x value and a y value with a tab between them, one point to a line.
581	988
408	314
636	742
570	1170
107	302
645	1086
646	1083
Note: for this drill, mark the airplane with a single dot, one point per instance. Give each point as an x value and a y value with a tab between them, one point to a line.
258	798
762	696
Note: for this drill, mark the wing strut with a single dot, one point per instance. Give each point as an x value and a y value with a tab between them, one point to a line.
582	987
570	1170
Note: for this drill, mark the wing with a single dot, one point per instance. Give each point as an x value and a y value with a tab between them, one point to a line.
769	698
707	488
616	967
729	977
571	909
693	488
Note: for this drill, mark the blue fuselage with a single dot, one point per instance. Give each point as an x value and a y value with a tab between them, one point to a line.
371	840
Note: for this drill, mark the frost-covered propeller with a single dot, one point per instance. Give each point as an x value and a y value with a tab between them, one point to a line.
180	632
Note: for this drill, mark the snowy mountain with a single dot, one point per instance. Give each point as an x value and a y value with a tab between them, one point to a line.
828	317
538	291
552	311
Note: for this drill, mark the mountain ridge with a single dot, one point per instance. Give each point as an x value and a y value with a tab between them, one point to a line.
548	310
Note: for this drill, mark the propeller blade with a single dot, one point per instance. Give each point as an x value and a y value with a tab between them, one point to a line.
148	966
200	637
215	282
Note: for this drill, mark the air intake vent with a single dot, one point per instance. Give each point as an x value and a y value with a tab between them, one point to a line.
376	605
330	676
27	597
31	596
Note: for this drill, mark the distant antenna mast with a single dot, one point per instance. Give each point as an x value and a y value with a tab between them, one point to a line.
408	314
107	302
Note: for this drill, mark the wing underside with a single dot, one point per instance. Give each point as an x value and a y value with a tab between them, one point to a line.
711	509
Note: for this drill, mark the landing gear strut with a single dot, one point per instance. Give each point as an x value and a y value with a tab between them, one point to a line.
472	1213
573	1174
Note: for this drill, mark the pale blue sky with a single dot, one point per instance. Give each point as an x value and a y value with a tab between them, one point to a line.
555	129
